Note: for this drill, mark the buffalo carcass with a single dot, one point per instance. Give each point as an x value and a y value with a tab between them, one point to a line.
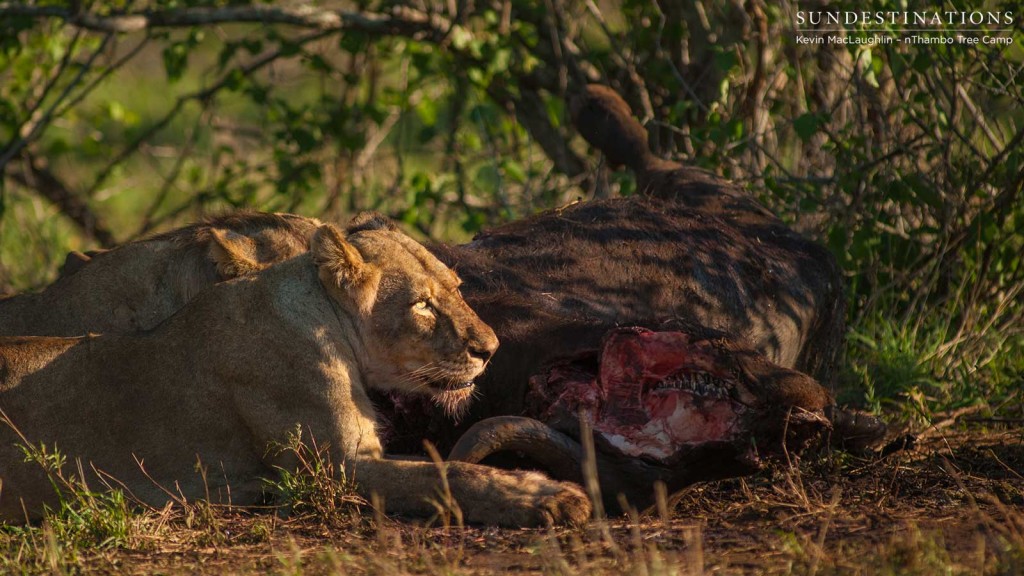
554	286
690	256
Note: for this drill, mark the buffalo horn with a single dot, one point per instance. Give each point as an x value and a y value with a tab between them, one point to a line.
558	454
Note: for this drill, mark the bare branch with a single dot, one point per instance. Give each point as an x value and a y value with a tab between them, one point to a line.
170	180
978	116
529	109
33	173
377	138
88	88
199	95
32	111
43	121
401	20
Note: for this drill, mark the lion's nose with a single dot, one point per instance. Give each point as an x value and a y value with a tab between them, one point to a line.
483	346
481	352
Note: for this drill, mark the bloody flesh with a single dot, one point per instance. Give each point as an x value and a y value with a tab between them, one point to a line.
653	395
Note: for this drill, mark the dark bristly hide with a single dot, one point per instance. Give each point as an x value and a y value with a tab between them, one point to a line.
691	254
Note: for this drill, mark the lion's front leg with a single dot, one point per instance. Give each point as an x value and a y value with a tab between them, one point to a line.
485	495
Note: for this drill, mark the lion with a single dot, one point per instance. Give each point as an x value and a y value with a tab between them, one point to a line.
249	360
139	284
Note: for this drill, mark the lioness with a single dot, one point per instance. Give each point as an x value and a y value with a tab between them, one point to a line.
248	360
138	285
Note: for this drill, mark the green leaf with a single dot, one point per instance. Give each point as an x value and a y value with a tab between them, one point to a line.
806	125
487	179
865	63
289	48
317	63
514	171
227	52
500	61
427	111
460	37
474	221
234	80
725	60
736	129
175	61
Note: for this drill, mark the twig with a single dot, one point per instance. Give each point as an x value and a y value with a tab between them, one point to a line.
553	21
551	140
71	204
457	105
626	63
31	111
18	145
979	117
951	419
1004	465
45	182
662	19
88	88
199	95
377	138
169	179
994	420
401	20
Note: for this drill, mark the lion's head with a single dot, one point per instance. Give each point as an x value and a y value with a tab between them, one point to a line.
415	332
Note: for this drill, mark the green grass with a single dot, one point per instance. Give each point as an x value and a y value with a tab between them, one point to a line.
33	241
925	363
315	486
84	521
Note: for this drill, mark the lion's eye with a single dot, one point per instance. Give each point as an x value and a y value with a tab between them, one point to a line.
423	307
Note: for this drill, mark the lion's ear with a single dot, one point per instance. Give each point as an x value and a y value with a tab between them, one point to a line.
370	220
337	260
234	254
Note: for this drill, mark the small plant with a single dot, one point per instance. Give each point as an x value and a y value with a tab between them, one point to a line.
314	486
921	363
260	531
88	519
201	517
890	364
82	520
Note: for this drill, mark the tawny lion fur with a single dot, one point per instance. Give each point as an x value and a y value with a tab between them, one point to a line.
140	284
246	362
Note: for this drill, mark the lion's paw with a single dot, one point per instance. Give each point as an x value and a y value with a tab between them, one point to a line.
529	499
566	504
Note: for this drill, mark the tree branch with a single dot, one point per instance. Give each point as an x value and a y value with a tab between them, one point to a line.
200	96
400	20
529	109
38	125
33	173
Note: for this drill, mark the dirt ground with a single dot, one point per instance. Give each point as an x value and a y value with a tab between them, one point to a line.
954	503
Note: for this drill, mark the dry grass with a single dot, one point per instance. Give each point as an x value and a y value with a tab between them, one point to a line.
953	505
